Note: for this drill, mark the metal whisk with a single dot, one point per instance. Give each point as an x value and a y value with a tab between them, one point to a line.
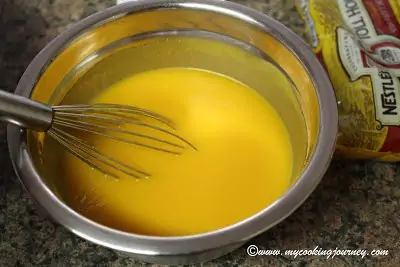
98	119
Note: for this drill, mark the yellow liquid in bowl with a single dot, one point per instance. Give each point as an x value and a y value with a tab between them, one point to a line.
243	163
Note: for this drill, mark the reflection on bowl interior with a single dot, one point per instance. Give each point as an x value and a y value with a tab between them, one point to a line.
242	110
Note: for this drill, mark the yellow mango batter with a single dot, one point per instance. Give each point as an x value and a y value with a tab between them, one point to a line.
242	165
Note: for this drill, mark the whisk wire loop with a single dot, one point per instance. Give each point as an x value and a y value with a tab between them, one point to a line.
105	120
100	119
79	144
112	109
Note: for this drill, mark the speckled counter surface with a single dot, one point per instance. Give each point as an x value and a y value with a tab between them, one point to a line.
356	206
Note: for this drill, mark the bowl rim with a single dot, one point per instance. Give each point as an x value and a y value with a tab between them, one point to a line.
239	232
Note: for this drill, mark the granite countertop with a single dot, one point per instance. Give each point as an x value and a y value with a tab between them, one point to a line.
356	205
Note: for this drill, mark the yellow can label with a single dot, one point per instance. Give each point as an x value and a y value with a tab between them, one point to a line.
358	42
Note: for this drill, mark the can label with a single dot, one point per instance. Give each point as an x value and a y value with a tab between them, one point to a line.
358	42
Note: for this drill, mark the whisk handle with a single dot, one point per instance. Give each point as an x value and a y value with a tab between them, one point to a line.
25	112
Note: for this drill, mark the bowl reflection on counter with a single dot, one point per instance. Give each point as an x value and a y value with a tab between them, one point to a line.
58	75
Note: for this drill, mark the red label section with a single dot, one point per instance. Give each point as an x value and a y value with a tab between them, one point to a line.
392	141
382	17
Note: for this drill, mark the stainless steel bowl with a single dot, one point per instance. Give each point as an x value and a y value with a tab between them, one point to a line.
57	68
